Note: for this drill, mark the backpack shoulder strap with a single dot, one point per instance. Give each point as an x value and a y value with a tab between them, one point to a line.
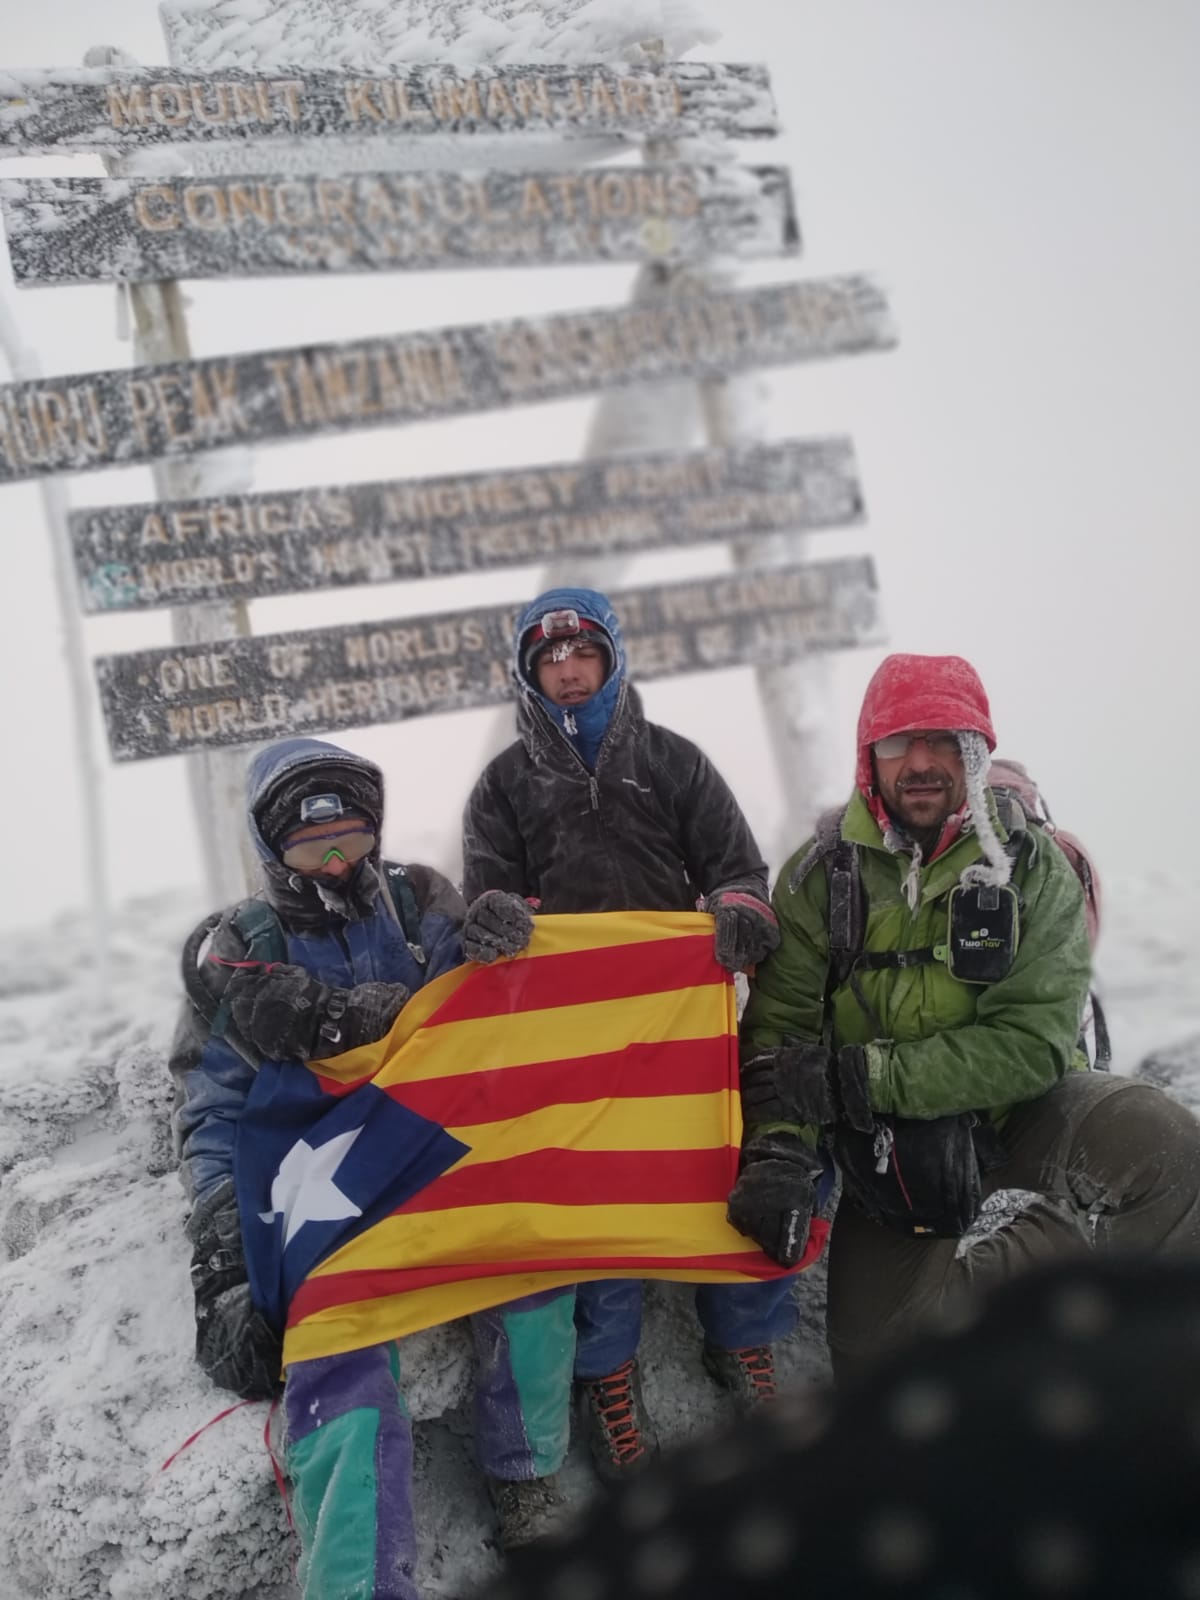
260	929
408	913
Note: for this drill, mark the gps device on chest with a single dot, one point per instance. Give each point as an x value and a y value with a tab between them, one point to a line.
983	932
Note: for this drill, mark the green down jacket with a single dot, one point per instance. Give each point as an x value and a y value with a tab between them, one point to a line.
949	1046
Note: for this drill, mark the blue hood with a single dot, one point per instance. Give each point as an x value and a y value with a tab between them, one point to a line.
267	766
584	725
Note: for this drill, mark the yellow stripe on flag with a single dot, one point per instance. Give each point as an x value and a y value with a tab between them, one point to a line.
660	1122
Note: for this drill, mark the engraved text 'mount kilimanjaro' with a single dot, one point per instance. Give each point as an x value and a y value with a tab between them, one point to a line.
115	109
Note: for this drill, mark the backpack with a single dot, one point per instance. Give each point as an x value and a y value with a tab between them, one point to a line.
260	930
1013	777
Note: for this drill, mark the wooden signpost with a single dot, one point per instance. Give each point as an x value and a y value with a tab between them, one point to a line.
239	546
117	110
179	408
253	210
95	230
165	702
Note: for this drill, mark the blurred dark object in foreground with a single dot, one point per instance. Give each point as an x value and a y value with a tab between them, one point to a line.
1050	1446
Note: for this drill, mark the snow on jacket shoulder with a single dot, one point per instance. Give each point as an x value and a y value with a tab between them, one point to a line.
212	1080
653	829
949	1046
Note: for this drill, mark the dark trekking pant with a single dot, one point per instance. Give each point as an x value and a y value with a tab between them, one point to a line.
1117	1163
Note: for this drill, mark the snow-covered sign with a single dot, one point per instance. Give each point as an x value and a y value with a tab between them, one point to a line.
130	415
239	546
237	691
116	110
86	230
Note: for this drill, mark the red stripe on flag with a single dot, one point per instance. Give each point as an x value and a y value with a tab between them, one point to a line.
668	1067
349	1288
581	977
583	1178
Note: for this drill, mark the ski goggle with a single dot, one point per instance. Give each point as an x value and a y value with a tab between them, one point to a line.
938	741
310	855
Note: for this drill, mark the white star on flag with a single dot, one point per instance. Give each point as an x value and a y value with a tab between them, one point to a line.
304	1190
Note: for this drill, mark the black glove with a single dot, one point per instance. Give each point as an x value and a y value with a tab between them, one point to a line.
497	924
235	1345
775	1195
288	1015
787	1083
747	929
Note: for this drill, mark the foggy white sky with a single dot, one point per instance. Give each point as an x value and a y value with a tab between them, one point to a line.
1021	174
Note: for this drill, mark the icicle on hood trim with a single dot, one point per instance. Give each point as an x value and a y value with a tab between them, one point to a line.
996	869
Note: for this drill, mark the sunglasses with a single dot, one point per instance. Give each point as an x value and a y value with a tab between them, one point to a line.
310	855
938	743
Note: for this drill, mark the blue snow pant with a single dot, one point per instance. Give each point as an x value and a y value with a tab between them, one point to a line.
608	1318
349	1443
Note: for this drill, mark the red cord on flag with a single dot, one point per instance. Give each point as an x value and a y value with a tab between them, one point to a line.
212	1421
280	1481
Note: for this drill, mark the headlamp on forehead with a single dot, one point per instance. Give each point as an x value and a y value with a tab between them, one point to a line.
322	808
560	624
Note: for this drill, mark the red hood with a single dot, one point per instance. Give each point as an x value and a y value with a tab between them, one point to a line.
919	692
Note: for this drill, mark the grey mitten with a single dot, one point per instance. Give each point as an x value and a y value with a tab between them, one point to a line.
497	924
747	930
787	1083
775	1195
235	1345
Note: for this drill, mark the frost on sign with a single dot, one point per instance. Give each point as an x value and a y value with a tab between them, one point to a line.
116	109
82	230
237	691
173	410
291	541
203	35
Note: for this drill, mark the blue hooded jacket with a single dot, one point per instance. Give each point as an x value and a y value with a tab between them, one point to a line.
344	935
583	725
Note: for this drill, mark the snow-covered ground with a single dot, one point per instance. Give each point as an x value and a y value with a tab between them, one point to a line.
97	1385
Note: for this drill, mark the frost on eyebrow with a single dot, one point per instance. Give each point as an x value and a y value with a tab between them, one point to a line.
562	648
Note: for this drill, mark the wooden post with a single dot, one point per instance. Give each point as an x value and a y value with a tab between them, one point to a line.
216	778
23	364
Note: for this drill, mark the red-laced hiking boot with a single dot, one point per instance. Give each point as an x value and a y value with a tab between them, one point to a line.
619	1434
748	1374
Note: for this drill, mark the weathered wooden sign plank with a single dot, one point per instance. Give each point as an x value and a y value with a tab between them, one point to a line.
238	547
125	416
116	109
164	702
89	230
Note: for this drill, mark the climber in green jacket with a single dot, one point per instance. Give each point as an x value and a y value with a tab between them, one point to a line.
920	1020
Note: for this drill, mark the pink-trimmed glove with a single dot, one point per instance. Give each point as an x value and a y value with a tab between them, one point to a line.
747	930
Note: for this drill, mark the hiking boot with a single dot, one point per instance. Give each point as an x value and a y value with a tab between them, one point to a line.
748	1374
526	1509
619	1434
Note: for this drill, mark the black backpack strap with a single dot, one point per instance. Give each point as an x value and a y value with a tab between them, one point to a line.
408	913
1103	1062
262	933
847	911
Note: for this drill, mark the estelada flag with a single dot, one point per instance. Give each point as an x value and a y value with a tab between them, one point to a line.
566	1115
